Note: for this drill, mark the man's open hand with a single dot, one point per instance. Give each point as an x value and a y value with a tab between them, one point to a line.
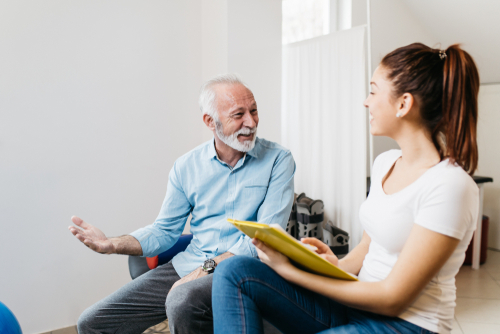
91	236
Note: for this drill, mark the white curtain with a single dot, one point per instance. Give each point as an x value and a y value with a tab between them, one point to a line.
325	123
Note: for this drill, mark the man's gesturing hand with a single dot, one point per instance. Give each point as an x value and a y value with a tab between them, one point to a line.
91	236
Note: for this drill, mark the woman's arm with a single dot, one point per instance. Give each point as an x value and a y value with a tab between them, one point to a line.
353	261
423	255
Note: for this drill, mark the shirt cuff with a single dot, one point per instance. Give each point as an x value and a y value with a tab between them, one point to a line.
149	242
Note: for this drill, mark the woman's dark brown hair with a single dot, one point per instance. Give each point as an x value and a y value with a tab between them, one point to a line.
445	86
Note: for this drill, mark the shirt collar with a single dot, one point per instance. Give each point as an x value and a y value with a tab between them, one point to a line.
211	152
255	150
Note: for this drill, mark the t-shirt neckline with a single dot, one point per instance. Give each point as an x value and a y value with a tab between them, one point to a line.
408	186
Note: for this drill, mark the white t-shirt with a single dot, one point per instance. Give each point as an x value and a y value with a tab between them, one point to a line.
445	199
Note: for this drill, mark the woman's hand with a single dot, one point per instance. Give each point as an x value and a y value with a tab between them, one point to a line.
322	249
274	259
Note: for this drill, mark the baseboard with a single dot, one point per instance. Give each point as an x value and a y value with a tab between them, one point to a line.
65	330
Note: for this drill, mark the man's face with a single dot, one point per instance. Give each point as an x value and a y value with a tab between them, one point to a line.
237	117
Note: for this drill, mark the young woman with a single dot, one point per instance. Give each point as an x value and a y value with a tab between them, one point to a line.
418	219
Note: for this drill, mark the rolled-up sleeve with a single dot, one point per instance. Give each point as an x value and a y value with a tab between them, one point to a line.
165	231
276	206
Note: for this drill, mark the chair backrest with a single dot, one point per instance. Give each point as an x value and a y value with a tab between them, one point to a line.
138	265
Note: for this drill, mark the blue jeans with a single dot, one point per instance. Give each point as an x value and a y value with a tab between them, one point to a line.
246	290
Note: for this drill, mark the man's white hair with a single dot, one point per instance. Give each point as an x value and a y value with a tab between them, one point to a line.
208	97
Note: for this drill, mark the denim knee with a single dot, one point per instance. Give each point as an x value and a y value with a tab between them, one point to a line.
236	268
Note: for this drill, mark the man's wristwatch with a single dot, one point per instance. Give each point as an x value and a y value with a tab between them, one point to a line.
209	266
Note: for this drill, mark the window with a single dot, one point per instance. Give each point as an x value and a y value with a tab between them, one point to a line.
304	19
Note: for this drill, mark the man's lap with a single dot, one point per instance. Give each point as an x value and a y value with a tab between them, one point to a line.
136	306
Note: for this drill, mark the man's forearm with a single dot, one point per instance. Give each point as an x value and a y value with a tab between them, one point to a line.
127	245
222	257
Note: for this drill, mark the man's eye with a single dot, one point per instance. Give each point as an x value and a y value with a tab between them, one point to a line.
254	111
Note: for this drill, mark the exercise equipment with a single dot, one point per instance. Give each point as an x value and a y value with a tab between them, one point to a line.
8	322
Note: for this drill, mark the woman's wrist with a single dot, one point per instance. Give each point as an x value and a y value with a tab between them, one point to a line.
290	272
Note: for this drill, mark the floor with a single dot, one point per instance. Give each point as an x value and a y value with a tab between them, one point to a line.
478	301
478	298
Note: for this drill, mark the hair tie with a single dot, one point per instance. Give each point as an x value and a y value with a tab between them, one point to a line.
442	54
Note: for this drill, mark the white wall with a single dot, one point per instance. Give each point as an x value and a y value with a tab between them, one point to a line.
473	24
254	38
489	157
97	100
393	25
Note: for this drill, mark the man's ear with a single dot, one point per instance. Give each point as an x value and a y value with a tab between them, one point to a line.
405	103
209	121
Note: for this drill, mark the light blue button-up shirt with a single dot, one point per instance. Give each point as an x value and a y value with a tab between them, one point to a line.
258	188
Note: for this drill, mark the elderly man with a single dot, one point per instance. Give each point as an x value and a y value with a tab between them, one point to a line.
235	175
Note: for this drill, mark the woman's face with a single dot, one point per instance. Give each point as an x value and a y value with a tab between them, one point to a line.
382	105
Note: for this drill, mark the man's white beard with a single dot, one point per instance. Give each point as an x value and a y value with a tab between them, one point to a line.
232	140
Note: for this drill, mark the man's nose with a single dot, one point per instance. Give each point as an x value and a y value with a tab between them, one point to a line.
249	121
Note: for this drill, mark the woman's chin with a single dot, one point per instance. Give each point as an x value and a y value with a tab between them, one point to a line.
374	132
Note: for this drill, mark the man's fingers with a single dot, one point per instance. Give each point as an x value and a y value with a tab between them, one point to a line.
89	243
79	222
75	230
79	234
80	237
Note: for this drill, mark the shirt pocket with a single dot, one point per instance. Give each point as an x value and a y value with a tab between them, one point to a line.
257	192
249	201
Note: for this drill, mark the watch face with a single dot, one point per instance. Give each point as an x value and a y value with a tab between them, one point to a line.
209	266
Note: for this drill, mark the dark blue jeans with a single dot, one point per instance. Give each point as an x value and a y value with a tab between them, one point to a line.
246	290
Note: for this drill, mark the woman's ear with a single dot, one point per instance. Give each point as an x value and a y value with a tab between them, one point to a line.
405	103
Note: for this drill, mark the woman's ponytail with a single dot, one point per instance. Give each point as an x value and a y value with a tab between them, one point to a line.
446	85
459	122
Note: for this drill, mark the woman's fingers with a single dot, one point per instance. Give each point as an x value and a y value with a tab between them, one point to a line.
264	251
259	244
322	247
262	255
330	258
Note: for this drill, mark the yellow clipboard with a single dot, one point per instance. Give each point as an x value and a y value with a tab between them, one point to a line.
277	238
